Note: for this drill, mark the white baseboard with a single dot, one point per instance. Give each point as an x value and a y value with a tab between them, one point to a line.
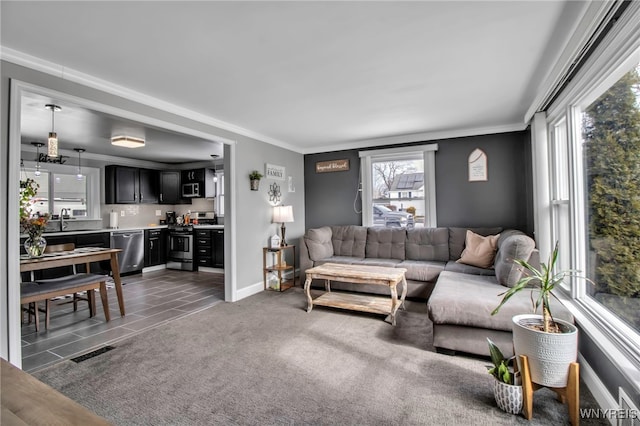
256	288
604	399
153	268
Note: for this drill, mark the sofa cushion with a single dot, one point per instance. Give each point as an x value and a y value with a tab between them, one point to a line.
457	237
387	263
385	243
514	246
479	251
349	240
427	244
318	243
345	260
454	266
421	270
468	300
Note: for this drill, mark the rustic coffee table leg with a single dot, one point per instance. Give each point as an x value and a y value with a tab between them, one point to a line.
404	292
307	290
394	302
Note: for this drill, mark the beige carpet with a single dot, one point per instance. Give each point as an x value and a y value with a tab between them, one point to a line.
265	360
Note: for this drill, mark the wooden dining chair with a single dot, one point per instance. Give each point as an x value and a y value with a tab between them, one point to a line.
58	248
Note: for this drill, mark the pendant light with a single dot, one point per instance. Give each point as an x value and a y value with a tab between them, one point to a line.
215	173
38	145
52	147
79	151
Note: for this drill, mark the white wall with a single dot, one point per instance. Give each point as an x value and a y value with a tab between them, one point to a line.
250	229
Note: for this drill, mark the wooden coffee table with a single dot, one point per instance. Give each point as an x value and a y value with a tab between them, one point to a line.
359	274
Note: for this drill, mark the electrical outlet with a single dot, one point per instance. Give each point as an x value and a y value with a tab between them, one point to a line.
158	212
121	213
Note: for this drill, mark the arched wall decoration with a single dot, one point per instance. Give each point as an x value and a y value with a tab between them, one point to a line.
478	166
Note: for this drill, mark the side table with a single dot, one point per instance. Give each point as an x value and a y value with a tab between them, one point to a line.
279	268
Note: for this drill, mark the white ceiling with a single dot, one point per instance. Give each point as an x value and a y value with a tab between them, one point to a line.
311	76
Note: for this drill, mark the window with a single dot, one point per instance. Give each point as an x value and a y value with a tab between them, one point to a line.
398	187
220	193
60	188
611	174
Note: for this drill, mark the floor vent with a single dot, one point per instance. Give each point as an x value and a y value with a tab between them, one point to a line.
629	414
92	354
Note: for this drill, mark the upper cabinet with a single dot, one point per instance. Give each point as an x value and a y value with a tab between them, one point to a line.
198	183
130	185
170	187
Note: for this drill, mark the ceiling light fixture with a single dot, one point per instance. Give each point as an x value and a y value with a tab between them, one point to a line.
38	145
215	173
127	141
52	147
79	151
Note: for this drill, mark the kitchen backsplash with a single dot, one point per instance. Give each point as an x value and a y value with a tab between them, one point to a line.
133	215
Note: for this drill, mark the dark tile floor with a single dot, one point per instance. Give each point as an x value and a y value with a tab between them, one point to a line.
151	299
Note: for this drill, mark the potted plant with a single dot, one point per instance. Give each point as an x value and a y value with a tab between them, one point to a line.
254	178
32	226
550	344
506	387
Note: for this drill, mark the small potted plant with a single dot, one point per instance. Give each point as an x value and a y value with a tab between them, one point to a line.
506	387
34	227
550	344
254	178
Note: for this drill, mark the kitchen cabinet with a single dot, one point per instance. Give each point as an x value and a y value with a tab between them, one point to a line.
130	185
204	179
210	247
154	247
170	187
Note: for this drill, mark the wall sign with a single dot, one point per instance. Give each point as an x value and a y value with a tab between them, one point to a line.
271	171
332	166
478	166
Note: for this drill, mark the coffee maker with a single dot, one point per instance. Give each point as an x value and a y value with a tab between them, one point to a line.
171	218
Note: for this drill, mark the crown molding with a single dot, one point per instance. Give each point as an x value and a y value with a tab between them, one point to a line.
419	137
38	64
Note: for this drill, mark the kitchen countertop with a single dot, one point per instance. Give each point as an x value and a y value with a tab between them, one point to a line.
137	228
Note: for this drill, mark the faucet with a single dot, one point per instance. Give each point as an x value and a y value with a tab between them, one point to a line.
63	225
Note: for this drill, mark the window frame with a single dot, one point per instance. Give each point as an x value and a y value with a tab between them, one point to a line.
427	152
609	62
91	175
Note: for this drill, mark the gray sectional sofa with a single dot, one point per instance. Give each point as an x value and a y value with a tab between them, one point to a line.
460	297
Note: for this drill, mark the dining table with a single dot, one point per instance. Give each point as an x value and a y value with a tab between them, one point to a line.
81	255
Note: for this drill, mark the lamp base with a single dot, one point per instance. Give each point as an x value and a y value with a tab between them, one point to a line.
282	232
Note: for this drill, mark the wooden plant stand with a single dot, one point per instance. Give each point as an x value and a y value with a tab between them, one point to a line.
569	394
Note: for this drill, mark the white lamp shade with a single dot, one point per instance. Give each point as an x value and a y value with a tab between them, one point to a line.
52	145
282	214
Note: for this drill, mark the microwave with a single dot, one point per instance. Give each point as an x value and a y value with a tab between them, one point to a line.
190	190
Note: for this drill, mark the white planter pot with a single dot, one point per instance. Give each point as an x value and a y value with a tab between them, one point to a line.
508	397
549	354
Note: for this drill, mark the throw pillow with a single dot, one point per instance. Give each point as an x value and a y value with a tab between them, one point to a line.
479	251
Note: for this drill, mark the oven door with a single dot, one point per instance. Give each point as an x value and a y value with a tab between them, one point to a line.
180	246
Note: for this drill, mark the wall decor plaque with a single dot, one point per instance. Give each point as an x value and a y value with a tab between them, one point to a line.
332	166
478	166
272	171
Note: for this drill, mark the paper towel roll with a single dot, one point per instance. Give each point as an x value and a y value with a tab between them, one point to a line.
113	220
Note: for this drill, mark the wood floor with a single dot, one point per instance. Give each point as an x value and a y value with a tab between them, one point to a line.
151	299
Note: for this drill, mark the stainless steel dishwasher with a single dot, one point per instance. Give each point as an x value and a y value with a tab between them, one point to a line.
131	259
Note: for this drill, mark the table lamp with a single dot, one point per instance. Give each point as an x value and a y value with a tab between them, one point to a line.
282	214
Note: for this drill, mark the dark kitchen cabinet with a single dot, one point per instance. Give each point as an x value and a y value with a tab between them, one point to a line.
170	187
154	247
204	178
130	185
148	186
210	247
121	185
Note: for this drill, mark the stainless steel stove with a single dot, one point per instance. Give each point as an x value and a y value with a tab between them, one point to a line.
181	248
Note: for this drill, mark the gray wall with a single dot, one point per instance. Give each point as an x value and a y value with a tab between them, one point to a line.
504	200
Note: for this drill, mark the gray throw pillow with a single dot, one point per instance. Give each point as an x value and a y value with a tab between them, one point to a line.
513	247
318	243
